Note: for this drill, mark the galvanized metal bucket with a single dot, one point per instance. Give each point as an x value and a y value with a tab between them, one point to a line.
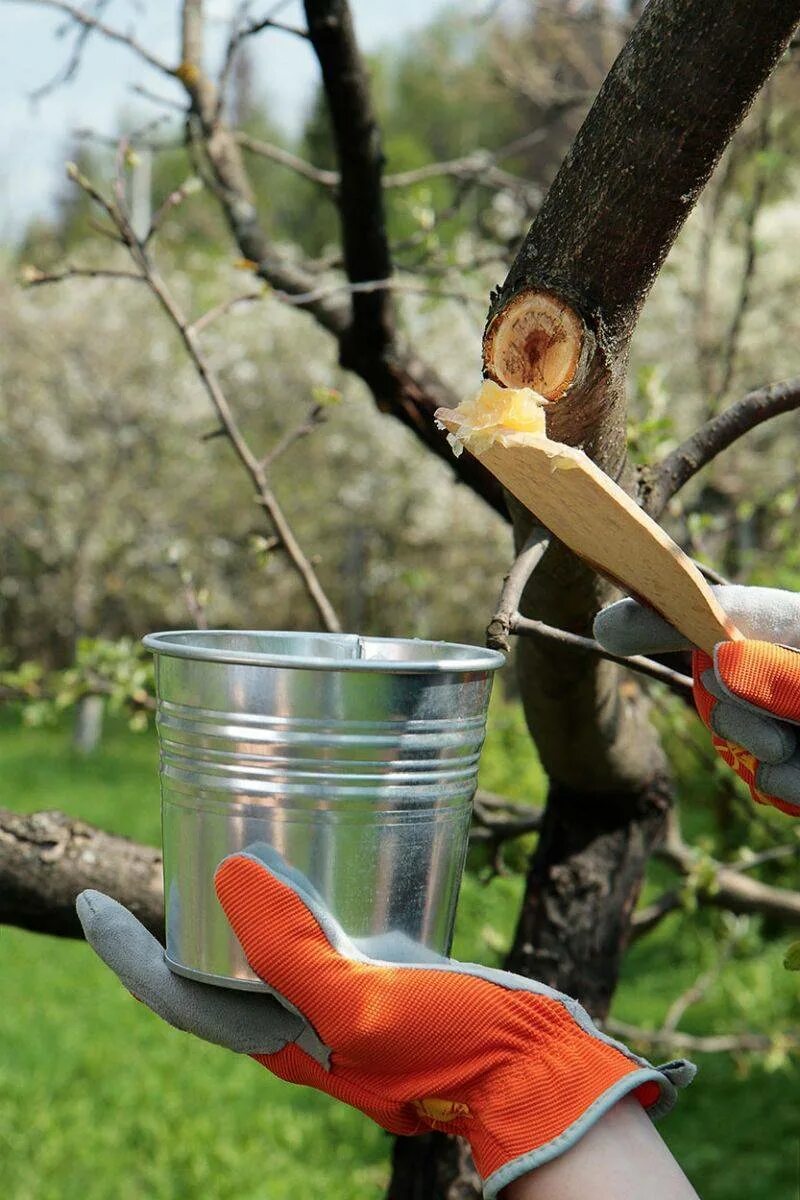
354	757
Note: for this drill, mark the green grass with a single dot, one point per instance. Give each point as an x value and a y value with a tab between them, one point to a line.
98	1098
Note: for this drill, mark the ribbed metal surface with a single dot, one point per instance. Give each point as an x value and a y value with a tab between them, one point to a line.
359	765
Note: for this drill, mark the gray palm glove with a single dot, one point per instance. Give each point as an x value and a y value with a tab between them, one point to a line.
748	694
246	1022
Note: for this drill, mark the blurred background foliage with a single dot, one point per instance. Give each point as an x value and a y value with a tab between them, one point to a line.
119	514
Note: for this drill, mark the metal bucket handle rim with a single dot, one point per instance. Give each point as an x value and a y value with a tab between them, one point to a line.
478	659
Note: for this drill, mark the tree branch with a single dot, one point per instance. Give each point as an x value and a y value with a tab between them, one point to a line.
647	147
575	641
47	858
360	156
723	1043
326	179
663	481
762	175
255	468
90	22
514	583
731	889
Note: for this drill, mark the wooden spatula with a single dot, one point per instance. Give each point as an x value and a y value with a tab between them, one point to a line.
592	515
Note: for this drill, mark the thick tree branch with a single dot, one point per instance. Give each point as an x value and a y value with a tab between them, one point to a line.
661	482
47	858
359	153
668	107
730	888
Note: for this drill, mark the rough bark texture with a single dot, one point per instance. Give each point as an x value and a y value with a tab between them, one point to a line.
582	887
432	1166
47	858
677	92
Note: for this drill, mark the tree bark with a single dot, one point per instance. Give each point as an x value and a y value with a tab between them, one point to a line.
47	858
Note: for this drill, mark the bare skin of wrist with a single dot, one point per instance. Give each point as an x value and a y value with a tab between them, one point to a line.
622	1157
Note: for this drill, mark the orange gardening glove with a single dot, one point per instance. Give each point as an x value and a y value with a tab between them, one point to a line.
748	694
516	1068
760	678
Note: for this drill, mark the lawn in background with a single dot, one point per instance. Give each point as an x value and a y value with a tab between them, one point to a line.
98	1098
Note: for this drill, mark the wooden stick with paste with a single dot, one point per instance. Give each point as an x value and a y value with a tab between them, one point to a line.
585	509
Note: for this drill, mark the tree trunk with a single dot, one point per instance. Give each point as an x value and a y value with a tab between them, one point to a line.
561	323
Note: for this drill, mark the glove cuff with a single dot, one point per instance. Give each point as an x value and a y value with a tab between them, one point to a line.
537	1111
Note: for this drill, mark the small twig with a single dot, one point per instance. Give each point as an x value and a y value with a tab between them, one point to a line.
208	377
499	628
103	139
479	166
194	603
188	188
325	178
156	98
774	854
712	575
697	990
646	919
497	819
68	73
368	286
114	35
723	1043
762	175
316	417
732	889
716	435
644	666
220	310
239	34
32	277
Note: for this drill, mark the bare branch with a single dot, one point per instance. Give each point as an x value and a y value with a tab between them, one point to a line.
480	166
90	22
32	277
643	666
208	377
256	471
730	888
369	287
698	989
239	34
189	187
646	919
317	415
220	310
526	562
156	98
723	1043
497	819
683	463
762	174
67	73
326	179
